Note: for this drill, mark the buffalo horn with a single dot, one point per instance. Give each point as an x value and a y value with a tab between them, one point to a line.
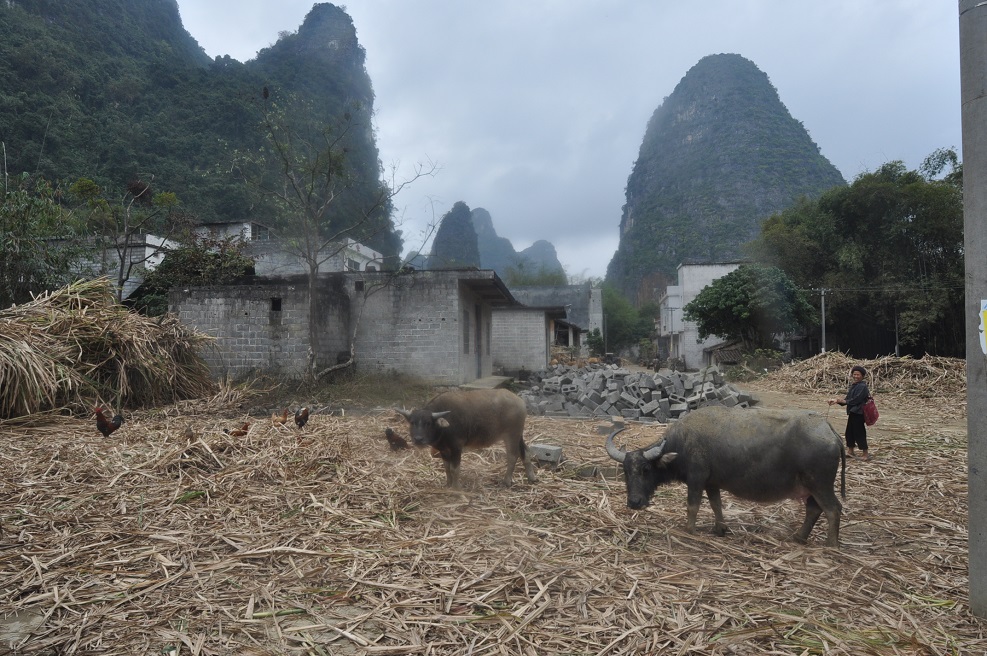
655	452
612	449
403	413
440	415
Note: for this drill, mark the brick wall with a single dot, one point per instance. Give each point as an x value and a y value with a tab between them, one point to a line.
520	339
262	327
415	324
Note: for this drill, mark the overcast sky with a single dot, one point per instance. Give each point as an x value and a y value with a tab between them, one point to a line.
535	109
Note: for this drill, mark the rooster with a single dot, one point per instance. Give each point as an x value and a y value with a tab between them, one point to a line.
396	441
104	425
301	417
280	419
238	432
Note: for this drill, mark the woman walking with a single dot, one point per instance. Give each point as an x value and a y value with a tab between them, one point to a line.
856	396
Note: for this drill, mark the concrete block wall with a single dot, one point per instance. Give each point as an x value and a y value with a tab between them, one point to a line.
520	338
261	328
412	326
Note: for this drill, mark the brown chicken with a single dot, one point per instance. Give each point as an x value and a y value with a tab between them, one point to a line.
301	417
238	432
105	425
280	419
396	441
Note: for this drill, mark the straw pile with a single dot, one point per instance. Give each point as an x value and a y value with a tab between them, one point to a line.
928	377
77	347
322	541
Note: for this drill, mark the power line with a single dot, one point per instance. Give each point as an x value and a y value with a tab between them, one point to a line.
884	289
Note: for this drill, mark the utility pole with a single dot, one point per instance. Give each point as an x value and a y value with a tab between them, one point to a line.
973	101
822	295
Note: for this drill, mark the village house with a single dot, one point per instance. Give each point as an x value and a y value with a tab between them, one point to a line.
432	324
272	259
678	339
139	254
548	316
449	326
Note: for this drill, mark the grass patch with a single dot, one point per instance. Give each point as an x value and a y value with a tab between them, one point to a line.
366	391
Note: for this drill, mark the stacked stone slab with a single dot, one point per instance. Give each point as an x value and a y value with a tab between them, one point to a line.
609	390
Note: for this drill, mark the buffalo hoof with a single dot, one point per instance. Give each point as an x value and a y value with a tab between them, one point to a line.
720	531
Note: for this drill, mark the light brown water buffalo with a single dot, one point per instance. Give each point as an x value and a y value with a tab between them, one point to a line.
471	419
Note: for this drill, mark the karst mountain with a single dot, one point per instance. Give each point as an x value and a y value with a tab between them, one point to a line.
720	155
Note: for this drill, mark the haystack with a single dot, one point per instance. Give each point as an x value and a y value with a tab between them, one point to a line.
77	346
937	379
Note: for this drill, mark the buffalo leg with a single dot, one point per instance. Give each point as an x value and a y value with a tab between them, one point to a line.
833	508
833	528
517	450
812	512
451	460
719	526
693	499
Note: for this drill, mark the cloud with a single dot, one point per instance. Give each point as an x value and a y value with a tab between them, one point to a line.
535	109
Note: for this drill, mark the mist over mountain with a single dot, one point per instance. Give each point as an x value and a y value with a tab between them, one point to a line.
720	155
498	253
463	231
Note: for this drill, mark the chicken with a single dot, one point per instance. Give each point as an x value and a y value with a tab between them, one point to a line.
238	432
301	417
189	434
104	425
280	419
396	441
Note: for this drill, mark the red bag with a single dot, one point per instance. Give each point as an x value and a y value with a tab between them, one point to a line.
871	415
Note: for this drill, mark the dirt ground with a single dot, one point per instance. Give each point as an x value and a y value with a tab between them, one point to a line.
324	541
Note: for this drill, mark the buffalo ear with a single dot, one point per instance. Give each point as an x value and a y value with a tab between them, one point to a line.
442	422
404	413
668	458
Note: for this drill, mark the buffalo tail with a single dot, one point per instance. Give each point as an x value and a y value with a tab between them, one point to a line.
843	471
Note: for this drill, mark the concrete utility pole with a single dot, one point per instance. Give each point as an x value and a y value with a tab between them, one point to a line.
822	301
973	95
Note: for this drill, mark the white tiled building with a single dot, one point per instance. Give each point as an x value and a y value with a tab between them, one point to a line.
679	338
273	259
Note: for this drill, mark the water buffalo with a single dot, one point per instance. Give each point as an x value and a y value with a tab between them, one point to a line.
756	454
471	419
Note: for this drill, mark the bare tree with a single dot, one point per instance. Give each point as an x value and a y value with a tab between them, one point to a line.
137	214
305	176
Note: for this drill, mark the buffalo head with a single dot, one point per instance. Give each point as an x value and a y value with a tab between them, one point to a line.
644	470
424	426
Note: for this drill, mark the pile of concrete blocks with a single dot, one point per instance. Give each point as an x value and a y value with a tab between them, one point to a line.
608	391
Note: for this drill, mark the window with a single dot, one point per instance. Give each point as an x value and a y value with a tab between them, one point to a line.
352	265
275	305
466	331
259	232
358	285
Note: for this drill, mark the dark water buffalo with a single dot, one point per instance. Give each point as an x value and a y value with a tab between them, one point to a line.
757	454
471	419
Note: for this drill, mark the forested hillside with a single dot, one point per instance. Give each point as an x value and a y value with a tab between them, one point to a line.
118	91
719	156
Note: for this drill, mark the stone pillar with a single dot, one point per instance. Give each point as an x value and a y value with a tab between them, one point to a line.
973	91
